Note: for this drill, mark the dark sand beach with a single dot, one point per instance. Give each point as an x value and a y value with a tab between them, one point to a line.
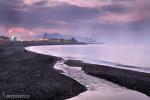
138	81
27	75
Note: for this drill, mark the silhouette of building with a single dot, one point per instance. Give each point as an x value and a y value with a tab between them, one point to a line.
73	40
45	36
4	38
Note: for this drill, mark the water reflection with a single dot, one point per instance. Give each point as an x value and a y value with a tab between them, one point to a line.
98	89
131	55
108	94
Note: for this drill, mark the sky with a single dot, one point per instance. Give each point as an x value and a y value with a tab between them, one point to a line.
104	20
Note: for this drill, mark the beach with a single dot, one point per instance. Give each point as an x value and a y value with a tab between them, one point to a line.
74	50
28	75
133	80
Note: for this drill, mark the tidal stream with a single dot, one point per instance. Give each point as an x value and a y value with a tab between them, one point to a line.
98	89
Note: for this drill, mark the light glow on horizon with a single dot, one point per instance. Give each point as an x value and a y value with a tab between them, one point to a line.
109	19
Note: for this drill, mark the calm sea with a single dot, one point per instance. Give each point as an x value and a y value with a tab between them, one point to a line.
133	57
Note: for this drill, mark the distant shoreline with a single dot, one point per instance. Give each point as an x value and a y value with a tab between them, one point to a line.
38	43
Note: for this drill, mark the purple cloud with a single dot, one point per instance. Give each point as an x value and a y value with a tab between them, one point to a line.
82	17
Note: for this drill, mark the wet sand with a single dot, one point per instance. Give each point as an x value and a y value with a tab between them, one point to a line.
138	81
98	89
28	75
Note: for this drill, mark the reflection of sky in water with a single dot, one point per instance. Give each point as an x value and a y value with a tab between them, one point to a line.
98	89
110	95
133	55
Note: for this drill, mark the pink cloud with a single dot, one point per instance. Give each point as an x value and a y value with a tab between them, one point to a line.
126	17
27	34
95	3
81	3
85	3
139	11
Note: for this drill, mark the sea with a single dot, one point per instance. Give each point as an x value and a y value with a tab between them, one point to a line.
132	57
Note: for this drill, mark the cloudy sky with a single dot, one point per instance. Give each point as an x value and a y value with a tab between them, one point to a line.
104	20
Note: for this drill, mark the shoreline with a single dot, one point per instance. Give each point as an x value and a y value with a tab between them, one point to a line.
133	80
48	82
31	74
